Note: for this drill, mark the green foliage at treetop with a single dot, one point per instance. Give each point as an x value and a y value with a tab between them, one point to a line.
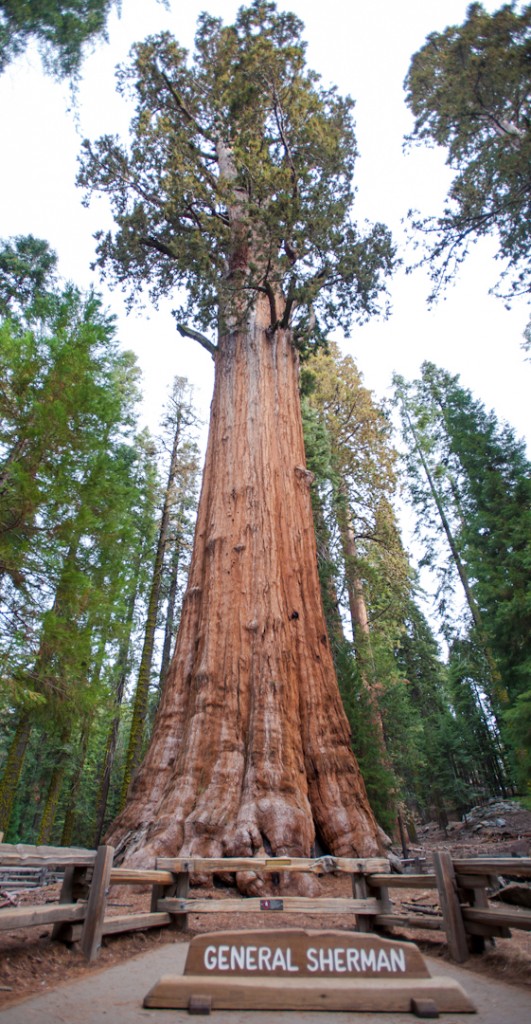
469	89
27	275
237	179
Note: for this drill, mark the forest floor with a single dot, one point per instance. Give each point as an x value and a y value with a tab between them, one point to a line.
31	964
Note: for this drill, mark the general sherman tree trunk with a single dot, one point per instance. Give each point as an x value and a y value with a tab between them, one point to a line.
251	748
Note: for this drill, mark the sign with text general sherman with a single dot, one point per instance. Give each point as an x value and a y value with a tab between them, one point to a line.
292	969
293	953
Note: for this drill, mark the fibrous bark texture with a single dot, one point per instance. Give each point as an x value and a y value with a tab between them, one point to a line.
251	748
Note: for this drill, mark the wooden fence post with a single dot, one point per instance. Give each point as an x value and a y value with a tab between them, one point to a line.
97	901
73	880
360	891
450	906
178	889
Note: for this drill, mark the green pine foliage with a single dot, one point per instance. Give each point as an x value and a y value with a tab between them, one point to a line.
71	490
27	275
61	28
379	775
469	89
436	768
469	482
348	448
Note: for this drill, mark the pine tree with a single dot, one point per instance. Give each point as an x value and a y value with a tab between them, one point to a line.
435	756
474	475
67	471
179	419
348	447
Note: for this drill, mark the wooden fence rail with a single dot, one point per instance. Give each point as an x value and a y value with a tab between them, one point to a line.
465	914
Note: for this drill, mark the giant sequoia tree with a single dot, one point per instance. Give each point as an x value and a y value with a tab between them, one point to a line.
237	185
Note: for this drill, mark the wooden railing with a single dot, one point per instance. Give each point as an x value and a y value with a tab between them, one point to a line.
465	914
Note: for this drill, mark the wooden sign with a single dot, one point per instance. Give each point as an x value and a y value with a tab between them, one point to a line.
294	969
292	952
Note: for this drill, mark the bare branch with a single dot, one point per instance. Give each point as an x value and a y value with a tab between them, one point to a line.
189	332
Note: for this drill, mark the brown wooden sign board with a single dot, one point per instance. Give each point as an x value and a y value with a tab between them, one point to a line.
294	952
312	970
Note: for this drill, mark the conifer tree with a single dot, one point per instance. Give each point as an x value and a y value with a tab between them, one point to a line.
469	89
348	447
436	761
236	184
179	418
472	473
66	458
62	29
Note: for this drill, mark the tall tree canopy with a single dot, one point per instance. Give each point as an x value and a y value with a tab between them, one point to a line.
469	89
237	185
362	564
237	180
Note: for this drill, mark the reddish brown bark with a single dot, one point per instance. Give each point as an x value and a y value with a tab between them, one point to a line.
251	748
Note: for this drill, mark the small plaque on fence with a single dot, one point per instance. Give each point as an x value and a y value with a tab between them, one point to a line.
271	904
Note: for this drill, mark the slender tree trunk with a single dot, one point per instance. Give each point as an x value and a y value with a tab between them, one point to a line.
500	693
53	794
13	768
140	704
251	749
122	666
326	576
360	622
170	613
75	786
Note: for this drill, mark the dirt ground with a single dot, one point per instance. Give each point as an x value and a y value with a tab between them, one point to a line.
31	964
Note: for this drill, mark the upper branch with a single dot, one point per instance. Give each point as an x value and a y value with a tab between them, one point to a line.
189	332
279	119
183	108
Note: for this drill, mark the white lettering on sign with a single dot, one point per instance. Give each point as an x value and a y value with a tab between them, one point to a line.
398	959
339	960
331	960
264	958
249	958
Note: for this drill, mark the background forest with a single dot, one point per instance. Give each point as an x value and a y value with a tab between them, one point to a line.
421	497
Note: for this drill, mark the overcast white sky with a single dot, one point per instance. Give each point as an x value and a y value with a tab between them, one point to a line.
362	48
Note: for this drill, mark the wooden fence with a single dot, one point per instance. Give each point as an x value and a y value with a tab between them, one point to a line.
465	914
